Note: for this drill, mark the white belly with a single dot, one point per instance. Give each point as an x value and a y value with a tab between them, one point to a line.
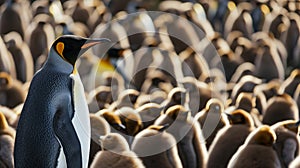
81	120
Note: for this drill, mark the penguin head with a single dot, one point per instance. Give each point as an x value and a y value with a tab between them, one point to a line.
159	128
178	112
114	142
70	47
288	125
240	117
263	135
177	95
112	119
214	106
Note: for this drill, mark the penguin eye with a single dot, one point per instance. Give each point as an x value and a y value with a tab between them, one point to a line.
60	48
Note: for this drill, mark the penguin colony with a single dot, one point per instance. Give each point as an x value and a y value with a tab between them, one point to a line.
225	96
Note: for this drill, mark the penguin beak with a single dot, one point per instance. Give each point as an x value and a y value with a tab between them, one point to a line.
91	42
122	126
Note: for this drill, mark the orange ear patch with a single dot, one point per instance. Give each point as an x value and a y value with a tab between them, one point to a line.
60	48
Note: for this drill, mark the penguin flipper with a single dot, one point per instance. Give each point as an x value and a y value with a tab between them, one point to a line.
67	136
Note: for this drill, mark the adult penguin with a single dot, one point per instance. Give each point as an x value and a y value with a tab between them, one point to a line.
55	117
257	151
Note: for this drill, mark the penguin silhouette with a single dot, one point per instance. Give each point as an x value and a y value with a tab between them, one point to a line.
287	142
99	127
289	86
267	53
113	119
177	96
193	94
192	63
280	108
55	111
191	148
99	98
156	148
12	11
247	102
292	38
143	59
131	120
156	80
6	60
239	19
115	153
230	138
7	137
21	55
39	36
277	23
257	151
149	112
246	84
212	116
11	91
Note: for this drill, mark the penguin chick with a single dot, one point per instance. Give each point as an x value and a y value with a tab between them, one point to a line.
212	116
99	98
289	86
268	63
246	84
6	60
7	136
149	113
39	37
11	91
156	148
99	127
247	102
190	84
280	108
115	153
12	11
191	147
113	120
287	142
21	55
177	96
229	139
55	117
130	119
257	151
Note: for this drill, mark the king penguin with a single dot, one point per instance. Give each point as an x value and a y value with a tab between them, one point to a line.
54	126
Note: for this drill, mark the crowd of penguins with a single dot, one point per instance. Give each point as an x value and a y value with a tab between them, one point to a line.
225	96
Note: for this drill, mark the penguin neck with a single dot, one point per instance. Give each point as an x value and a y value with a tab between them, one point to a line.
54	61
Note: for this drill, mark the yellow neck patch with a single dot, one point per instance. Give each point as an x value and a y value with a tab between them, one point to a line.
60	48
